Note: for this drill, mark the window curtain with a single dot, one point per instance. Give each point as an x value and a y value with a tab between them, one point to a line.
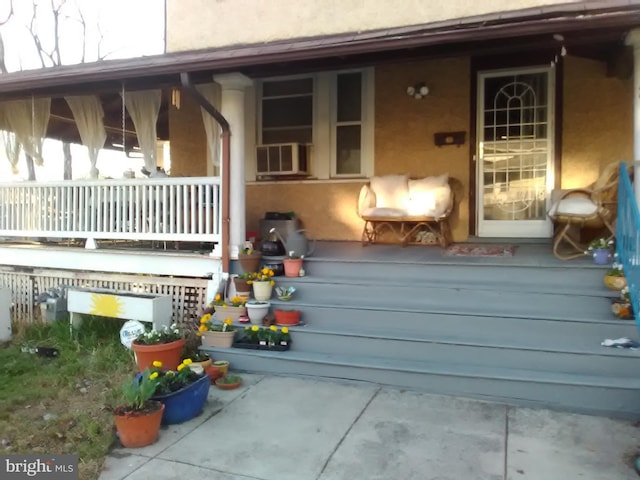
28	120
12	149
89	116
212	92
143	107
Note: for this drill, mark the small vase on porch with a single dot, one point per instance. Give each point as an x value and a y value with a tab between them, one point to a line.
292	267
601	256
250	262
257	310
262	290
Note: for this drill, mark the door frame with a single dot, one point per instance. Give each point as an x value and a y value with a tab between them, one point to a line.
523	59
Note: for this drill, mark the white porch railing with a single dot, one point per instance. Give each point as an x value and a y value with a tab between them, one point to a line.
164	209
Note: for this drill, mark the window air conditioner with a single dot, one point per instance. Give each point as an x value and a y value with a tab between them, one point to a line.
283	159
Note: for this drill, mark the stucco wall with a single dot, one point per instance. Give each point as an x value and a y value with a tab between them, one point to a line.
188	140
195	24
597	122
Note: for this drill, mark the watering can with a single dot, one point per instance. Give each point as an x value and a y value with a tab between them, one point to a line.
297	242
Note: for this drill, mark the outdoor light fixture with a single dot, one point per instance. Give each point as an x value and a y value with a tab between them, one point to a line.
418	90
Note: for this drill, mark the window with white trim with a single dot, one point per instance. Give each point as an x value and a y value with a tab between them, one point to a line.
331	111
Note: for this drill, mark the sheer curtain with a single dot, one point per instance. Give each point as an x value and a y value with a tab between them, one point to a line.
28	120
144	107
89	116
12	149
212	92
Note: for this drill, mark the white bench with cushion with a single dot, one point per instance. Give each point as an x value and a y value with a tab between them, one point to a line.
397	209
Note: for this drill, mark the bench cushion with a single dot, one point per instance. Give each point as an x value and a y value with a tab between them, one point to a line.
430	196
391	191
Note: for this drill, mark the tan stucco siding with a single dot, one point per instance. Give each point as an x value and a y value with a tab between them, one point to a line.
405	127
597	121
326	209
188	140
195	24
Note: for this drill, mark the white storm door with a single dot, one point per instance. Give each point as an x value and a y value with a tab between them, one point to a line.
514	152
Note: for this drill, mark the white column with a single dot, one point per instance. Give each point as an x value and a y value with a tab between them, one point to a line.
633	39
232	107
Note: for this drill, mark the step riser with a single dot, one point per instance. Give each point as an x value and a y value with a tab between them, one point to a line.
450	300
466	354
623	403
553	333
550	279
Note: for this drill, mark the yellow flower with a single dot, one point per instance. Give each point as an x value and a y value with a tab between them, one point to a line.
255	328
228	321
157	363
249	282
217	297
273	328
265	271
187	361
205	318
271	274
224	306
203	328
181	366
153	376
285	330
198	334
272	283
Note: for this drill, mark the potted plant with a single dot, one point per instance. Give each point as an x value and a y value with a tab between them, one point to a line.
614	278
257	310
219	369
242	283
249	259
232	308
228	382
263	284
191	352
164	345
265	338
182	391
285	293
216	334
292	264
600	249
138	418
287	316
621	307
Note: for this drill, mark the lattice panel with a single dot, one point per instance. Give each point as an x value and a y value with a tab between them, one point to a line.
188	294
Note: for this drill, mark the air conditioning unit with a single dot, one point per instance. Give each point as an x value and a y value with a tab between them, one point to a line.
283	159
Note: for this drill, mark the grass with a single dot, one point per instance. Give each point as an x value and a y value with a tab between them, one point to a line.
60	405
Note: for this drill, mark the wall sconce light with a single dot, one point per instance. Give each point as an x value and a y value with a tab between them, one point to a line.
418	90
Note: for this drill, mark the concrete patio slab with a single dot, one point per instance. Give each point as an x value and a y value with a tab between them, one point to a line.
545	445
408	435
282	429
119	465
157	469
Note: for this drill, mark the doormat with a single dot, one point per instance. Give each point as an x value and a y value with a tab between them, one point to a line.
479	250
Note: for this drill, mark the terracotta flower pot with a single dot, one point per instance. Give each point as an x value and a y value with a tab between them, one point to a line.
287	317
292	267
218	339
169	354
139	429
243	289
204	364
221	383
250	262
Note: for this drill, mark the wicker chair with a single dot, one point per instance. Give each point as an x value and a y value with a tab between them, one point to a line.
594	207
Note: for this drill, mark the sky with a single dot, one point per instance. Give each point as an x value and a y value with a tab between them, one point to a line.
129	28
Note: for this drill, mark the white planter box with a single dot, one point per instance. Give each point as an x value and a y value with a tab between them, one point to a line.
144	307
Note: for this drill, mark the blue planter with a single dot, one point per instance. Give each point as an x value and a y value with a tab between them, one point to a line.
601	256
186	403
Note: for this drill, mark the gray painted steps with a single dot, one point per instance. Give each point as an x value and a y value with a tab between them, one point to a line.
456	300
609	395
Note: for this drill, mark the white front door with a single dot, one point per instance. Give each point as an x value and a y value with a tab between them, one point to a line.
514	152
